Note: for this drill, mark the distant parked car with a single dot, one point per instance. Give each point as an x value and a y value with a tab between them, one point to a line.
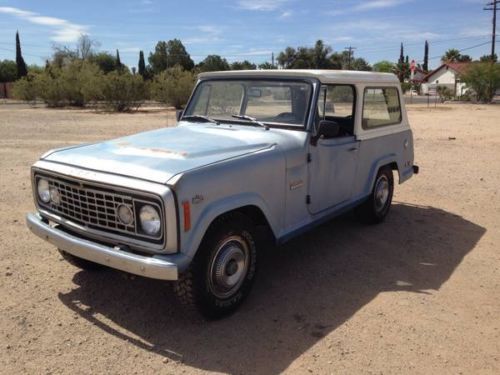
284	149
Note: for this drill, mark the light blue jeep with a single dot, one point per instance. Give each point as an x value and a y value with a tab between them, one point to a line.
283	149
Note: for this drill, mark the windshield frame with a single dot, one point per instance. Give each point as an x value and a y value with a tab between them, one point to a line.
305	126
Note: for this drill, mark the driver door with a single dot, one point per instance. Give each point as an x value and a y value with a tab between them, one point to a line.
332	169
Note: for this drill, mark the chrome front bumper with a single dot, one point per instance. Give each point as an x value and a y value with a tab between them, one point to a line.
155	267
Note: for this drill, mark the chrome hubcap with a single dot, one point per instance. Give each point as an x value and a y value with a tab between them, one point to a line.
381	193
229	267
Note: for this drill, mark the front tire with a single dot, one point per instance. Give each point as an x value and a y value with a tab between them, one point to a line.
375	209
222	272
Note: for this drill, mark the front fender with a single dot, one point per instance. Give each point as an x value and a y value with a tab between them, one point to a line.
219	207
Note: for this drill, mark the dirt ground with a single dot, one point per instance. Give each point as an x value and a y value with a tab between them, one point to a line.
417	294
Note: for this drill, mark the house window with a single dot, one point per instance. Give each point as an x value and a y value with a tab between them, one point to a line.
381	107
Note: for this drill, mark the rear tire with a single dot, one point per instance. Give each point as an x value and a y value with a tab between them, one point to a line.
79	262
375	209
221	274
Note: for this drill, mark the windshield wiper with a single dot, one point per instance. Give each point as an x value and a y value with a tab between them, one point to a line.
200	117
252	120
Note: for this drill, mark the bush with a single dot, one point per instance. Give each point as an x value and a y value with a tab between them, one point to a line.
173	87
444	93
25	88
483	79
405	86
122	91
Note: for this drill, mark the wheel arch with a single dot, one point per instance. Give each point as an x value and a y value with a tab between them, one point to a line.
252	207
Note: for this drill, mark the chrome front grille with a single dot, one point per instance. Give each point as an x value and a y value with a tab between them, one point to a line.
95	207
92	207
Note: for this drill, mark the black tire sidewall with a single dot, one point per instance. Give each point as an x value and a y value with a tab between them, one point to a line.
210	304
380	215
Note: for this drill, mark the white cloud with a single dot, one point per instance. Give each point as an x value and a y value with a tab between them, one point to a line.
378	4
369	5
261	5
286	14
63	30
204	34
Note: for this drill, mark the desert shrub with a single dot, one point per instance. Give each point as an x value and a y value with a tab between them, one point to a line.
74	84
25	88
483	79
405	86
122	91
173	86
444	93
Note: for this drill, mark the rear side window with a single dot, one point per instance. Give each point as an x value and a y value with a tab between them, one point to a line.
381	107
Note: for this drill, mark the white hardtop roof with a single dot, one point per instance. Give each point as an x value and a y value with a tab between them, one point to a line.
325	76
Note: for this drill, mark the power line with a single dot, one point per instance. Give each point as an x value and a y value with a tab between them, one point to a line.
463	49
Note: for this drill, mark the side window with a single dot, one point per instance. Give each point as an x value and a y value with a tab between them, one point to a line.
336	101
381	107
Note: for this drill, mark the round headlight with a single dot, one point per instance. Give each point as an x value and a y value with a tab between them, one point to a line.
125	214
150	220
55	197
43	190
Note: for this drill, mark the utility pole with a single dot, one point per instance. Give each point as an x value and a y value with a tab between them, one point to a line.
494	7
272	59
351	50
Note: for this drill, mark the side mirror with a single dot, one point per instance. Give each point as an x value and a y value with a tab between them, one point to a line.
326	129
178	114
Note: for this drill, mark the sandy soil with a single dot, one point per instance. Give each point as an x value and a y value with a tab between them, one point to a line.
417	294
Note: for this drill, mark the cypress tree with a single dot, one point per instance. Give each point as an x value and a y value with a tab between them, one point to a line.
401	55
142	65
118	61
22	70
425	67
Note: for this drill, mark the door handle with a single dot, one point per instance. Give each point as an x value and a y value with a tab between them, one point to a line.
353	149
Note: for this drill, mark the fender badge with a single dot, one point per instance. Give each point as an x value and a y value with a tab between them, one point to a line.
296	184
198	198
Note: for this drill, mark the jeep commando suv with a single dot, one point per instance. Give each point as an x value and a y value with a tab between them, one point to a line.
284	149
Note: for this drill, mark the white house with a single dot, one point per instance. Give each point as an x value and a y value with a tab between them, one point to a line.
447	75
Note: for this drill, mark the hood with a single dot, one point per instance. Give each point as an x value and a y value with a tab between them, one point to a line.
161	154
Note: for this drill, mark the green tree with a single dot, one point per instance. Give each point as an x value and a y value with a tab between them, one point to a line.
425	66
287	57
8	71
105	61
483	79
22	70
243	65
360	64
213	63
142	65
464	58
168	54
266	66
450	56
173	86
383	66
487	58
320	54
118	62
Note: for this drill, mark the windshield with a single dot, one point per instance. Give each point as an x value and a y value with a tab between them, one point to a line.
275	103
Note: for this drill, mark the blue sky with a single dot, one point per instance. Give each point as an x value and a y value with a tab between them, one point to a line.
248	29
